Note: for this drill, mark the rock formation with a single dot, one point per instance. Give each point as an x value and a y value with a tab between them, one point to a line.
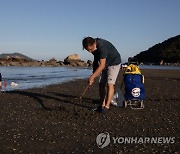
71	60
74	60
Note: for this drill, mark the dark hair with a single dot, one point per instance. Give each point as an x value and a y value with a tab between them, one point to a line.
88	41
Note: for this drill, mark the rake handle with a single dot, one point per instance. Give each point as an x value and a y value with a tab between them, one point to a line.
84	91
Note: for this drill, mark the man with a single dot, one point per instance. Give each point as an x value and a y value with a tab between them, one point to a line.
107	63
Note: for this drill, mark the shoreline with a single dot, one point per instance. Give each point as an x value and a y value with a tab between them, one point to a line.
40	77
29	83
51	120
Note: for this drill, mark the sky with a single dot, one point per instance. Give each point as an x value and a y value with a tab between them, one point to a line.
45	29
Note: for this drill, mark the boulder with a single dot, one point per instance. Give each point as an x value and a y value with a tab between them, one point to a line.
61	63
43	63
53	62
13	63
34	63
82	64
72	57
79	63
74	60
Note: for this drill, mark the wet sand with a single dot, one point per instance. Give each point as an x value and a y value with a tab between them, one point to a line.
51	120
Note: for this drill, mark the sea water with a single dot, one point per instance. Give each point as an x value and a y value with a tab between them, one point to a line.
30	77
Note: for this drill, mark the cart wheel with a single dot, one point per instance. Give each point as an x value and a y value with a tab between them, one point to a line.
142	104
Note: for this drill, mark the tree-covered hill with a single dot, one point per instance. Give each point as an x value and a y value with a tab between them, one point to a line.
167	51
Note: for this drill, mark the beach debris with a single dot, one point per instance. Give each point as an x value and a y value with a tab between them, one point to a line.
13	84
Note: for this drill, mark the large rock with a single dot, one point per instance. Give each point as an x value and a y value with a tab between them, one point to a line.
14	63
53	62
61	63
73	57
79	63
74	60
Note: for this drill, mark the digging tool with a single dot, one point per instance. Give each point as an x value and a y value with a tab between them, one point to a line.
84	91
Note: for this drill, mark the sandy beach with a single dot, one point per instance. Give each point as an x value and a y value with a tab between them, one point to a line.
51	120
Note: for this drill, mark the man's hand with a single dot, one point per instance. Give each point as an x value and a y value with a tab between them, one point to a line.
91	80
98	71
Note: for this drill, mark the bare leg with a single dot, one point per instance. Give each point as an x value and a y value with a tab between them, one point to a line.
110	94
102	93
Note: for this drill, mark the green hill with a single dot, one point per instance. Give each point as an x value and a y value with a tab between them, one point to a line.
168	51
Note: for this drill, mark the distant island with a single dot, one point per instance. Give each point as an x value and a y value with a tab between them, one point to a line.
165	53
15	55
17	59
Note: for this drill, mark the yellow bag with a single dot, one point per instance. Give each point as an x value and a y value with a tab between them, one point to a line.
132	69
